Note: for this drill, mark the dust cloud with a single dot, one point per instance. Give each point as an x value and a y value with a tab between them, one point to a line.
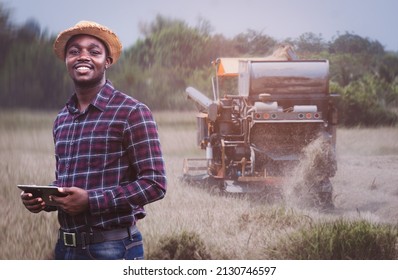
365	184
308	183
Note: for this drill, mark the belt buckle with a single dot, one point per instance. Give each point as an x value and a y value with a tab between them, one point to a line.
69	239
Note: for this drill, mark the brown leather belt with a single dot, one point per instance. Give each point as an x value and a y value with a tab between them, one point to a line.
74	239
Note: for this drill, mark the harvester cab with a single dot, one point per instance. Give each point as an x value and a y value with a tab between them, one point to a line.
263	114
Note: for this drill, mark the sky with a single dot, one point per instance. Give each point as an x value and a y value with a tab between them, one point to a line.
280	19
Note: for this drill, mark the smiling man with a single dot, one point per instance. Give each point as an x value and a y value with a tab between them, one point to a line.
108	155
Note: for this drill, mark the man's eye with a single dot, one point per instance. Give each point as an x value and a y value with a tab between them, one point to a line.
73	52
95	52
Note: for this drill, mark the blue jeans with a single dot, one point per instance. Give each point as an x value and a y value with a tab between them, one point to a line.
110	250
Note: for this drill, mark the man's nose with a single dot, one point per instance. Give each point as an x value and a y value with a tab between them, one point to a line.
84	55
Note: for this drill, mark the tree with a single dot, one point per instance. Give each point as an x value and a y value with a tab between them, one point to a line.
32	77
351	57
388	68
310	43
253	43
172	43
6	33
179	46
365	102
169	55
172	55
355	44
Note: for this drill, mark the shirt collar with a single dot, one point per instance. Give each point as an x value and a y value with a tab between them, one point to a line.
99	102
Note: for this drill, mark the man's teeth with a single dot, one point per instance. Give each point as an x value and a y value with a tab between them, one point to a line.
83	68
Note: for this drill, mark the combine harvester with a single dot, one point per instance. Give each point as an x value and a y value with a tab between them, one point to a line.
264	113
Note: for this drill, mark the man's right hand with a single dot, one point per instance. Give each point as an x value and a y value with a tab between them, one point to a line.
33	204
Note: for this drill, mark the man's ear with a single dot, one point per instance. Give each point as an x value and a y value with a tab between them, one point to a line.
108	62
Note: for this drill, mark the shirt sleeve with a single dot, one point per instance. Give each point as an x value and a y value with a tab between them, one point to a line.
145	158
53	183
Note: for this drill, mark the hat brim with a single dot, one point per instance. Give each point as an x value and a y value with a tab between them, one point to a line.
109	38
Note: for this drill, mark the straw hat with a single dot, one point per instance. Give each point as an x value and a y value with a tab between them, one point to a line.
107	36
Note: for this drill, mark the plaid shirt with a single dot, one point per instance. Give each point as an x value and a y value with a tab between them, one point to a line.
112	150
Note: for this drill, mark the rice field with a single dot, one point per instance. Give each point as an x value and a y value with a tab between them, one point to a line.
231	227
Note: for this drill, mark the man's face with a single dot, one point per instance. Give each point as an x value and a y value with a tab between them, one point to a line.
86	59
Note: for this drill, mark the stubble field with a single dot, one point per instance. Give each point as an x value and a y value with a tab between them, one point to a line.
365	188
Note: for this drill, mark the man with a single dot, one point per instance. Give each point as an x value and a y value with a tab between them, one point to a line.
108	156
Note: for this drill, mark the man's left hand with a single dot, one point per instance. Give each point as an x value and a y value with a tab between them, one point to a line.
74	203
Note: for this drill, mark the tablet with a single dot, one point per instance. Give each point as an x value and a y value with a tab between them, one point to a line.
42	191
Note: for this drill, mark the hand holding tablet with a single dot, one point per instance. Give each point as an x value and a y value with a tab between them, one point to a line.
43	191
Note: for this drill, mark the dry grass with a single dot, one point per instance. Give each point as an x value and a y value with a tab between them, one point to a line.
26	157
230	227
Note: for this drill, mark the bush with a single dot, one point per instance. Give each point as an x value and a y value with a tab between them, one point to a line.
367	102
185	246
340	240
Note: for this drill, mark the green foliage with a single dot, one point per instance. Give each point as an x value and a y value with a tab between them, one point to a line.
354	44
346	68
184	246
388	68
310	43
6	32
171	44
253	43
172	56
31	77
339	240
178	47
366	102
